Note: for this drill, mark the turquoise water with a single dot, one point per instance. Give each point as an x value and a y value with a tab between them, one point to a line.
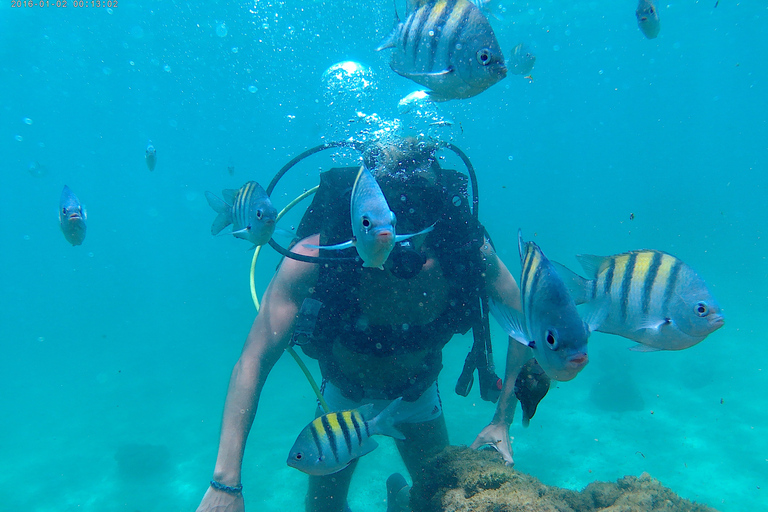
116	354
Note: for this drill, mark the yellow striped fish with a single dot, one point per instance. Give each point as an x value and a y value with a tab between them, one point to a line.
248	209
447	46
549	323
655	299
332	441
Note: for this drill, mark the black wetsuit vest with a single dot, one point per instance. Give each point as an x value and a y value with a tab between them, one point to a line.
456	240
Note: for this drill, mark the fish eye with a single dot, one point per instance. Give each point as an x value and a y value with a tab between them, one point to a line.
298	456
484	56
701	309
366	222
551	341
259	213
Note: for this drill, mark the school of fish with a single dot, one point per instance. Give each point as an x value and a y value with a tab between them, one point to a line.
648	296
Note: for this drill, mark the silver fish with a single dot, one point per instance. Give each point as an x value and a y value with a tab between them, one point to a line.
654	298
150	155
549	323
373	223
648	19
332	441
447	46
72	217
522	60
248	209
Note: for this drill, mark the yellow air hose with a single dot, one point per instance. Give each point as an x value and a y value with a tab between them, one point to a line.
255	298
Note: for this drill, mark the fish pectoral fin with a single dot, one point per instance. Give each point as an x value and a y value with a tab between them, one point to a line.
400	238
653	324
336	247
596	312
368	446
284	233
511	321
443	72
644	348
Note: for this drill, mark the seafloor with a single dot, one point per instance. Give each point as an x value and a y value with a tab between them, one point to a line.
464	480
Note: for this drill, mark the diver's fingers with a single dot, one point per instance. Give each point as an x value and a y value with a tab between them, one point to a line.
497	436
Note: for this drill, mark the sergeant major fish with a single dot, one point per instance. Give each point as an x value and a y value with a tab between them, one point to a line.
522	60
332	441
373	223
447	46
549	323
648	19
248	209
654	298
150	156
72	217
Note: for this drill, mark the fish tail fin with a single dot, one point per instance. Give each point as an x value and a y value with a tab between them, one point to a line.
509	320
384	423
224	217
577	285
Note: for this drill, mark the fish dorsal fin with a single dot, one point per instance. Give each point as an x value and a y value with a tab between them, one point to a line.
591	263
229	195
412	5
366	411
357	179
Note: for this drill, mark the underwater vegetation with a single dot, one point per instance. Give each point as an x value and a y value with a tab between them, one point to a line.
467	480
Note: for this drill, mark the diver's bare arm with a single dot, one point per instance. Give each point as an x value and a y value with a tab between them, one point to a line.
269	336
503	289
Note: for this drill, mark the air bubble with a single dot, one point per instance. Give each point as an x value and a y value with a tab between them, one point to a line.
252	89
27	120
221	29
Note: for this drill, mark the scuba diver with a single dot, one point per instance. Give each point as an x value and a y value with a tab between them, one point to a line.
378	333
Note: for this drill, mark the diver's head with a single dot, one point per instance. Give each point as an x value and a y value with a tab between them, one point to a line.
407	172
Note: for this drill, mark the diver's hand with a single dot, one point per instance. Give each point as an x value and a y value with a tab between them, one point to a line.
496	435
220	501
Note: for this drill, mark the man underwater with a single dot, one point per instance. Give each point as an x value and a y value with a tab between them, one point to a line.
379	333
